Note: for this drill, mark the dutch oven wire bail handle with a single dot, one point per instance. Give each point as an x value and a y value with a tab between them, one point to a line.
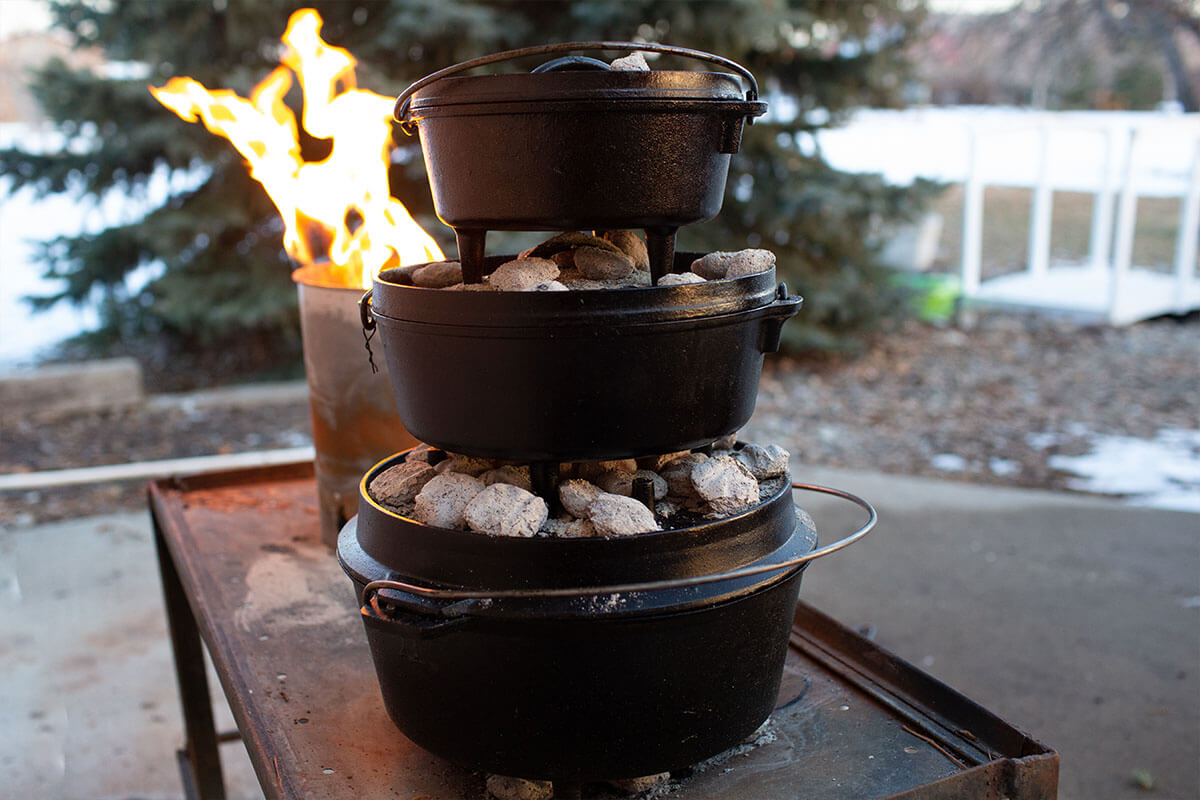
404	101
467	598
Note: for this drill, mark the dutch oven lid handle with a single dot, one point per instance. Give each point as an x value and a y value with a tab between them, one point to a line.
405	98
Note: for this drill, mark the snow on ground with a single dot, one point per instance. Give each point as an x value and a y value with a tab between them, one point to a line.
1163	472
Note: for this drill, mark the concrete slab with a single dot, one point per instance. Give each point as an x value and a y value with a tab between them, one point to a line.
88	705
1071	617
1076	619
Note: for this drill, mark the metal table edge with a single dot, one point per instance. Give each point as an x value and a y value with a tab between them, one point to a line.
169	516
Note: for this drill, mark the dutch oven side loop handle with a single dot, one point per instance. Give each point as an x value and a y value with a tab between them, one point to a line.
414	617
405	98
368	326
484	596
780	311
364	311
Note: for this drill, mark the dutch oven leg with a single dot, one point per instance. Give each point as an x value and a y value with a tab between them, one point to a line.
543	475
471	243
660	246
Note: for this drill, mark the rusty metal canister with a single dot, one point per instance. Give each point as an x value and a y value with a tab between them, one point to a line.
354	419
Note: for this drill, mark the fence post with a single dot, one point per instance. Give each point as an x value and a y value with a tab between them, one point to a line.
972	219
1043	206
1126	218
1189	230
1100	246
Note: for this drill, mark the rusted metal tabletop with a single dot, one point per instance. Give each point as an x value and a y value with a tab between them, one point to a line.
244	572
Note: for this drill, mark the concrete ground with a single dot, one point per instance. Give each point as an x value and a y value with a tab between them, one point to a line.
1075	619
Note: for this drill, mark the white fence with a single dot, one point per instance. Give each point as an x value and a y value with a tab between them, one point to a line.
1107	284
1115	156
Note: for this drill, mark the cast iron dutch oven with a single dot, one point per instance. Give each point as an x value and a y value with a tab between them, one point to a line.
579	375
575	145
580	659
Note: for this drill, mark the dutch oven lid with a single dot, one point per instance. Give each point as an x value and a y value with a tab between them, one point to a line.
575	78
548	87
391	299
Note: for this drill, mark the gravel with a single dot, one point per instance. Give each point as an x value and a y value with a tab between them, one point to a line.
989	400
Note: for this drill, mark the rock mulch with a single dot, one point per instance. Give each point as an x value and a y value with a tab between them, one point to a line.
989	401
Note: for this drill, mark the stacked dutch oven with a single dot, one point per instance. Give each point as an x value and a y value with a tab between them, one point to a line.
578	659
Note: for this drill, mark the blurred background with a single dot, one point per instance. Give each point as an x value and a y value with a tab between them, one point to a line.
989	206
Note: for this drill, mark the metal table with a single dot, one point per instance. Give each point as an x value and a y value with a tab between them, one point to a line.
245	574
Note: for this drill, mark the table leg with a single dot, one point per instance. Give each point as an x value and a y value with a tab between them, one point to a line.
200	762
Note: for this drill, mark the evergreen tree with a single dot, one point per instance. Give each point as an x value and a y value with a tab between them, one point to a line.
224	291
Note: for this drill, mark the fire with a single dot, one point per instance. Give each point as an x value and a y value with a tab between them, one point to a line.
340	207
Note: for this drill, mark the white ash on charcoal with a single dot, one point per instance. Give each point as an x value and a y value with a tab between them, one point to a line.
443	501
523	274
725	484
634	62
575	261
567	242
603	265
678	473
596	498
621	482
503	787
506	510
517	476
591	470
576	495
617	515
680	279
715	266
438	275
425	454
763	462
631	245
656	463
726	442
634	280
467	465
569	528
399	486
643	784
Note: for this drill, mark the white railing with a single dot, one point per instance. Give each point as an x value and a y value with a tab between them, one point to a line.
1128	166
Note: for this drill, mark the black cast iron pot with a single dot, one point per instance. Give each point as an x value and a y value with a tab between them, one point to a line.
565	148
579	375
541	658
575	145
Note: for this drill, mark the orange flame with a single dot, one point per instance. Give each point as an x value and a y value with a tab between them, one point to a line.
341	203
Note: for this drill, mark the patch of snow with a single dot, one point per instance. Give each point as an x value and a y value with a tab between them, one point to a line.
1004	466
1163	472
948	462
1040	441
